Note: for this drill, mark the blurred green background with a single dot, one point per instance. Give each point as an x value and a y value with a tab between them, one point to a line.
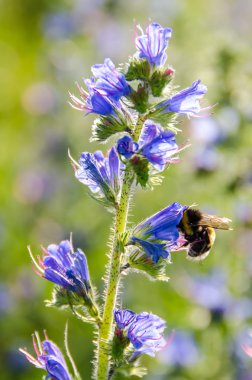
45	47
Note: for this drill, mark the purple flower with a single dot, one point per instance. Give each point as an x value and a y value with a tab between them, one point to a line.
186	101
155	144
65	268
159	233
153	44
101	174
49	358
144	331
123	318
110	82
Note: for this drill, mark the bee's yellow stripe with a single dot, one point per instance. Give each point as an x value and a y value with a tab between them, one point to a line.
186	224
211	235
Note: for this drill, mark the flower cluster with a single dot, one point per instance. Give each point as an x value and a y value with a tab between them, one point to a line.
143	330
155	144
69	271
65	268
49	358
112	99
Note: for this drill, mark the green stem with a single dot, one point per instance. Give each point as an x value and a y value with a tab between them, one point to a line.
113	279
76	373
114	270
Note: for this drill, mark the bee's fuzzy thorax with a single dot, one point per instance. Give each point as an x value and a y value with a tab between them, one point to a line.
190	219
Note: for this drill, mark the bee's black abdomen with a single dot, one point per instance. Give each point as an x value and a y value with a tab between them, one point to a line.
201	243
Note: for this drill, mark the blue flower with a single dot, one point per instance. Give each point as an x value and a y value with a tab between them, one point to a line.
66	268
126	147
163	224
49	358
153	250
153	44
159	233
93	102
155	144
186	101
104	91
101	174
144	331
110	82
99	104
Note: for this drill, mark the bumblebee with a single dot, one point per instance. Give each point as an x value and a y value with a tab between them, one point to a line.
198	231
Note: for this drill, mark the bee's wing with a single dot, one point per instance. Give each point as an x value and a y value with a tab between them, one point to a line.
215	222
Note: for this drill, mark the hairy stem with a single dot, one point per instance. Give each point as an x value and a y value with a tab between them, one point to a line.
113	278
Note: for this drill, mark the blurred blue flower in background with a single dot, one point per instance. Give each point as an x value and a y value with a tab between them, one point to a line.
5	299
182	352
58	25
211	291
206	159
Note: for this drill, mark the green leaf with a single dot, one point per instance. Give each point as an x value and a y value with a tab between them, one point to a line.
167	119
138	69
119	343
159	80
143	263
129	370
62	299
140	165
140	98
106	126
